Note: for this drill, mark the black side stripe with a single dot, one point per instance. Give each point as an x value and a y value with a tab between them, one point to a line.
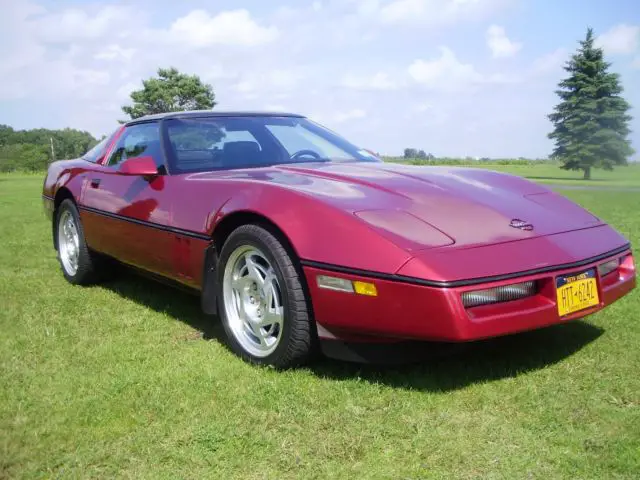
157	226
380	275
461	283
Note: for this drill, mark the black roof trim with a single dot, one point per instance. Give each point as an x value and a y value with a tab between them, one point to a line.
209	113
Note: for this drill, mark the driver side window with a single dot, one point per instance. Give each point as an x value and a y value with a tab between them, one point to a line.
138	141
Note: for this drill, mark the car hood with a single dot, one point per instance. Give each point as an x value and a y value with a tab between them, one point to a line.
421	207
425	207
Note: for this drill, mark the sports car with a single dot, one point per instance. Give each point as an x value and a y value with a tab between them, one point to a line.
302	242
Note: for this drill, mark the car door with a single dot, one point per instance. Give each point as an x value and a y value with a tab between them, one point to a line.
128	216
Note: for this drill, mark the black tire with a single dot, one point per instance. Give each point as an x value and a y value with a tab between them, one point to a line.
87	271
297	340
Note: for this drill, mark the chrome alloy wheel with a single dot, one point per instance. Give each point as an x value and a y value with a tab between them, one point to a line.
253	301
68	242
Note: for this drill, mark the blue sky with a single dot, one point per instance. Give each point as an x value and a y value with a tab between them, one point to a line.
454	77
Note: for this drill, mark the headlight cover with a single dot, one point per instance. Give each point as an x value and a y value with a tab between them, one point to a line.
505	293
404	229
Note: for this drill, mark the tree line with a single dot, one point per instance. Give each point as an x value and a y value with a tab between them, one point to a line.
415	153
33	150
433	160
590	124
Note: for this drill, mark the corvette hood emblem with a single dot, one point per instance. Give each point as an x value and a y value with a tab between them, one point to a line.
521	224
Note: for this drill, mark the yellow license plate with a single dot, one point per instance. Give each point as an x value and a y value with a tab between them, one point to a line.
576	292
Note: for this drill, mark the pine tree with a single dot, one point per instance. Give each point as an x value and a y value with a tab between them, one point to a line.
591	124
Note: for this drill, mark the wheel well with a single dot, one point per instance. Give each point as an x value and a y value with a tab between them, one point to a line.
234	220
62	194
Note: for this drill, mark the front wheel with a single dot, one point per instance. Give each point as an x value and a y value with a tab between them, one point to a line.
263	307
78	264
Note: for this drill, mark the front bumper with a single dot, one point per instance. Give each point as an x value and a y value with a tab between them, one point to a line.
405	310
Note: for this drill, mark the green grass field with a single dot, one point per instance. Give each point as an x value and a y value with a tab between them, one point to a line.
129	380
627	176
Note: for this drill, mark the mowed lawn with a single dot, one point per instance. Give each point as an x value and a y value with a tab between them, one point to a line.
129	380
626	176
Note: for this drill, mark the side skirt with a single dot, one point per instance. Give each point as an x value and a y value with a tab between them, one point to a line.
170	282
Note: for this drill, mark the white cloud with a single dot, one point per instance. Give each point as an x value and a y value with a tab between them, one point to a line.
377	81
499	43
445	72
124	91
426	12
246	86
18	48
353	114
88	76
402	10
69	59
288	58
621	39
115	52
271	82
31	71
636	62
367	8
217	72
235	27
281	78
76	24
422	107
550	62
275	107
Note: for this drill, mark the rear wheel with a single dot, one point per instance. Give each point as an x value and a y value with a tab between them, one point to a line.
79	265
262	304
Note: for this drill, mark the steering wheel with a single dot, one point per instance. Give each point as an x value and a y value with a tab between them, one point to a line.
303	153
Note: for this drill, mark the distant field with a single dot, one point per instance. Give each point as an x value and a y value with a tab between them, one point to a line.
130	380
628	176
622	177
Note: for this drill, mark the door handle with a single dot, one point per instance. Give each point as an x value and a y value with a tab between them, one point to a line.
95	182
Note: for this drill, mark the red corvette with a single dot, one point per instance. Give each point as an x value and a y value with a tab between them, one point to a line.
298	238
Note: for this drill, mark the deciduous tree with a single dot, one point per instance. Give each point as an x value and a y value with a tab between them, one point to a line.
410	153
170	91
35	149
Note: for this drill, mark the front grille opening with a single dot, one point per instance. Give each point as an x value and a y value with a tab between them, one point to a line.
505	293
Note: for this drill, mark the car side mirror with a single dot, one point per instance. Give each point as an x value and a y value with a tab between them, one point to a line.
143	166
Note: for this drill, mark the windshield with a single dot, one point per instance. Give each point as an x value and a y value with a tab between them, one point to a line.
203	144
96	153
